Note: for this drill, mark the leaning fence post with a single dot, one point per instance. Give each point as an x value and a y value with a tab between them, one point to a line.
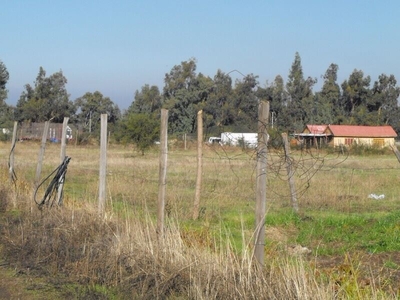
162	182
11	160
395	151
62	157
261	188
196	206
103	164
290	173
13	177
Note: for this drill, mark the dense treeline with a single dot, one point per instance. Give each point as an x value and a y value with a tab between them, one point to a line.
227	105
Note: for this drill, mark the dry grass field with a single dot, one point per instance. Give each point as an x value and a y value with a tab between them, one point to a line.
342	244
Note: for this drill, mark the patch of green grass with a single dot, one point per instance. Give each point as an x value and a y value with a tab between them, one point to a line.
326	233
391	265
23	286
336	233
284	217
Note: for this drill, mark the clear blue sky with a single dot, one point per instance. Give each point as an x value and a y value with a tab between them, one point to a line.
117	46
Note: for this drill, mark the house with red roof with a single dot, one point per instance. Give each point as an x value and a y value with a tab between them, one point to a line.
312	135
315	129
377	136
347	135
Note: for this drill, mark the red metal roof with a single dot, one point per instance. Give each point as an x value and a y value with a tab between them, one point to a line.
362	131
316	129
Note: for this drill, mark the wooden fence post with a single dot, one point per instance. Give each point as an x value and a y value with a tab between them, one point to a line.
63	139
40	156
13	177
103	164
41	153
261	188
11	161
62	157
162	182
395	151
196	206
290	173
76	137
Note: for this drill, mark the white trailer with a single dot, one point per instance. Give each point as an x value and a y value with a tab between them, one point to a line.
239	139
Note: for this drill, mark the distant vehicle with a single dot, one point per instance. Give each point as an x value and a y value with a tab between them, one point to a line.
239	139
214	140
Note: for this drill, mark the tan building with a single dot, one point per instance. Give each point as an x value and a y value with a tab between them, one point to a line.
346	135
381	136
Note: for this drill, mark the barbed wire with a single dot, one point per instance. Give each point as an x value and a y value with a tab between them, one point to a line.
306	163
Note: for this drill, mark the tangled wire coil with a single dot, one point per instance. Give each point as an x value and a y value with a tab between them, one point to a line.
50	194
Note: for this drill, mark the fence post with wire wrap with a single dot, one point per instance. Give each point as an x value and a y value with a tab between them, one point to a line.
52	189
11	171
62	157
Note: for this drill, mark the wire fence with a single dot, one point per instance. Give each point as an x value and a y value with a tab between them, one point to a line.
222	164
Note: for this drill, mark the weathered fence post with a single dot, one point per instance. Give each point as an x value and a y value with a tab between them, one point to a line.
261	188
290	173
395	151
13	177
41	155
196	206
162	172
11	160
76	137
62	157
41	152
64	139
103	164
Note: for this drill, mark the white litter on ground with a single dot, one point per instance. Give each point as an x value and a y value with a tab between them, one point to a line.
377	197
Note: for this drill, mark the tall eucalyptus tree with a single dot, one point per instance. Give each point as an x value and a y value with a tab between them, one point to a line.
47	99
300	108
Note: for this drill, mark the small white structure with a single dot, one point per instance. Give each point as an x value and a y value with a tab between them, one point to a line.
239	139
